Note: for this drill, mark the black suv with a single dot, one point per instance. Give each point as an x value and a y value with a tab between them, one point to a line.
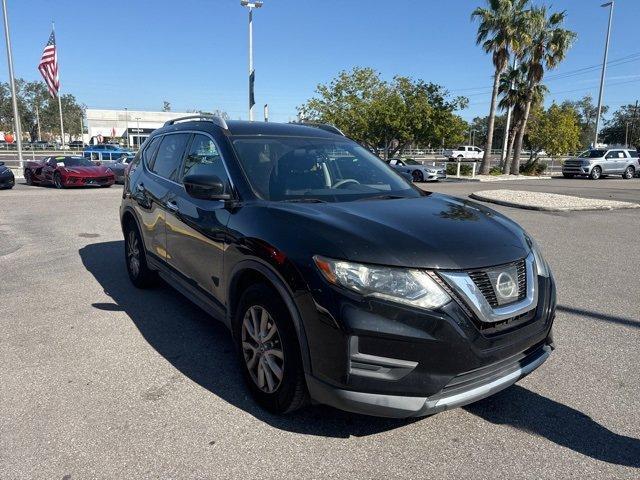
340	281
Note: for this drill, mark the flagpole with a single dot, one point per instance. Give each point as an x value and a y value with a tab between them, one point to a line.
38	120
12	82
53	28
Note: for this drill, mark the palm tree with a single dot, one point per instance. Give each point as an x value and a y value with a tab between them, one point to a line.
500	32
548	45
513	90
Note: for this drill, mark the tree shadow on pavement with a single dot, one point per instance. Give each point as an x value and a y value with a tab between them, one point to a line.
201	348
558	423
581	312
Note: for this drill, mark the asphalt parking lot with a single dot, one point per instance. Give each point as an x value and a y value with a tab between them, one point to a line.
100	380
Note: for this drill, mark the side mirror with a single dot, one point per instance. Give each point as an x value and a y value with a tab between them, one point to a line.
205	187
1	164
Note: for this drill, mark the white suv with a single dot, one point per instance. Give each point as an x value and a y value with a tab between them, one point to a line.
599	162
464	152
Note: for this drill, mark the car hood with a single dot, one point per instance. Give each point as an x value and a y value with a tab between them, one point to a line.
435	231
88	171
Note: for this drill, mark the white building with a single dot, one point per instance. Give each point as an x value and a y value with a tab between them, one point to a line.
134	126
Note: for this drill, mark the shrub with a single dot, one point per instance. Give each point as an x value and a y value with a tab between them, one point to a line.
495	171
533	168
465	169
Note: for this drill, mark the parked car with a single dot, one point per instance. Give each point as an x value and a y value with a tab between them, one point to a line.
7	179
118	167
67	171
599	162
99	153
340	282
77	144
42	145
4	144
467	152
418	171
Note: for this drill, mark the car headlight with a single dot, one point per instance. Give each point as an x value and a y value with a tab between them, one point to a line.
542	266
406	286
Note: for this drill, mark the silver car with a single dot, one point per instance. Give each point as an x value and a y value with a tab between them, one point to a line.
599	162
418	171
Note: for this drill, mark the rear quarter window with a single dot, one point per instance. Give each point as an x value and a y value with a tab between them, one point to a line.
633	153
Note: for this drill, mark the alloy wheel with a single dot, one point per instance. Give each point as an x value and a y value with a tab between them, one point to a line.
57	181
595	173
628	173
262	349
133	253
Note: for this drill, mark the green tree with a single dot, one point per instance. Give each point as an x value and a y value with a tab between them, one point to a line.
166	106
587	113
547	47
557	131
379	114
500	31
624	124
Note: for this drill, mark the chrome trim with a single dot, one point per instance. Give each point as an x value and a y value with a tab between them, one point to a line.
471	294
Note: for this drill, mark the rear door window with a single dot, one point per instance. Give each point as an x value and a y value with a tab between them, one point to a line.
169	155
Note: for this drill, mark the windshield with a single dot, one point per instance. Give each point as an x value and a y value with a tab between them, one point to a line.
410	161
593	154
316	169
75	162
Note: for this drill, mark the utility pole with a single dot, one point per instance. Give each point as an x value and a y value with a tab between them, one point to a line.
505	141
604	69
251	5
126	126
12	82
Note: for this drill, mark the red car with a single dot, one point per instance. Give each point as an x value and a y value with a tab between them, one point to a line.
68	171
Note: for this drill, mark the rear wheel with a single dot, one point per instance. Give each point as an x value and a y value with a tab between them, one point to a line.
269	350
629	173
57	180
28	177
596	173
417	176
135	256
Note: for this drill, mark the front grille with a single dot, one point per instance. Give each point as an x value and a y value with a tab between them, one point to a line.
482	281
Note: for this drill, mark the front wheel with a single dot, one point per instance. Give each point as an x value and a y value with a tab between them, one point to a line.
417	176
596	173
628	173
28	177
269	350
57	181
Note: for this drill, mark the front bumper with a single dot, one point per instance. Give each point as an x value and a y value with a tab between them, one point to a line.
7	181
377	358
88	181
434	177
457	394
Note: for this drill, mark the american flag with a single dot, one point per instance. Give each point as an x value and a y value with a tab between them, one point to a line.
48	65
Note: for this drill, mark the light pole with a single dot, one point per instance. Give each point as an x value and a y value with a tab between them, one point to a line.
604	69
12	82
138	129
251	5
126	126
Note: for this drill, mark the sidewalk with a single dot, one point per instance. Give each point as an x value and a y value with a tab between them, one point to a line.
550	202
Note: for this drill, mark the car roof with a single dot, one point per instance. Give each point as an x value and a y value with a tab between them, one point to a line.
246	128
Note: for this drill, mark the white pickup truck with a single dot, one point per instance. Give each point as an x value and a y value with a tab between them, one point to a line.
464	152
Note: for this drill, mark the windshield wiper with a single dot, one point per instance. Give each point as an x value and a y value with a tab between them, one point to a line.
383	197
304	200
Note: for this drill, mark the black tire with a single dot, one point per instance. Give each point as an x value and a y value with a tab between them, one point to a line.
142	276
567	175
57	181
596	173
629	172
28	177
417	176
291	392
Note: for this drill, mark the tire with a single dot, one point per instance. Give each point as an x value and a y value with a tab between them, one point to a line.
57	181
629	173
136	258
567	175
596	173
277	395
28	177
417	176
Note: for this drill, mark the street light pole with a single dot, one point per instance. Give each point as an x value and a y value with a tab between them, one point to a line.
604	69
138	128
12	82
126	126
251	5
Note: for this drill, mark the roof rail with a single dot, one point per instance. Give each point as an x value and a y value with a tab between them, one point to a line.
218	120
327	127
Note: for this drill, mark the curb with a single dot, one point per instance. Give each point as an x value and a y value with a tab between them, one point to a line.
506	203
502	178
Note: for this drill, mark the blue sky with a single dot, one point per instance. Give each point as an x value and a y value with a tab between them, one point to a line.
193	53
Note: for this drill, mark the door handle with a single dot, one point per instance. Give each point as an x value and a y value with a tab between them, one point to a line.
171	205
140	188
